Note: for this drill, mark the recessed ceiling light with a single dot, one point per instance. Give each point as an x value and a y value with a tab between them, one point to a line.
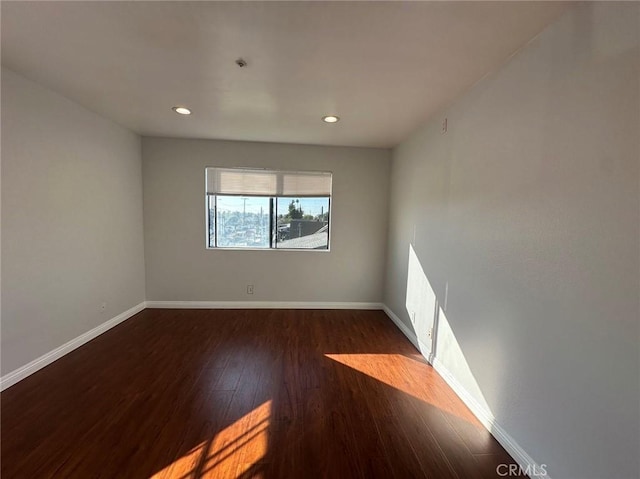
330	119
181	110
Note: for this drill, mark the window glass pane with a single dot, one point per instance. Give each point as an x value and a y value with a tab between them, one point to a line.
242	222
211	201
302	223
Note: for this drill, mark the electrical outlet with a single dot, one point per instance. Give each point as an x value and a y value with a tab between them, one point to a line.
249	289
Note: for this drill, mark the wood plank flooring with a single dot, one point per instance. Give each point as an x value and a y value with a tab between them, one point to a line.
243	394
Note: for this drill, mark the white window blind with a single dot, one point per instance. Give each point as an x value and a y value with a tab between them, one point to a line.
254	182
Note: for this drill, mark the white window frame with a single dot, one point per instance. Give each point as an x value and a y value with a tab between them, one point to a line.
267	189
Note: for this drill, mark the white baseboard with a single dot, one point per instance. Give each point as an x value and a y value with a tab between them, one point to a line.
19	374
13	377
423	347
258	305
482	413
411	336
489	421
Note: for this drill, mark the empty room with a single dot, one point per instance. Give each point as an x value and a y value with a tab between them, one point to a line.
320	240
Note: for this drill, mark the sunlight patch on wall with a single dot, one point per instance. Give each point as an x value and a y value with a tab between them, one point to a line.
420	302
450	355
429	320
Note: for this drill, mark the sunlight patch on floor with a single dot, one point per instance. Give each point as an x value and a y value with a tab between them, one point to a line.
232	452
409	376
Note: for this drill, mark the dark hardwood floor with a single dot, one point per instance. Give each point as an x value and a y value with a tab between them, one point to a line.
243	394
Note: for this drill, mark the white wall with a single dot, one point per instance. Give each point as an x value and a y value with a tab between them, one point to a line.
179	268
71	220
527	211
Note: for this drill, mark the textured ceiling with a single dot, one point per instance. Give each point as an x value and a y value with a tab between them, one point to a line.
383	67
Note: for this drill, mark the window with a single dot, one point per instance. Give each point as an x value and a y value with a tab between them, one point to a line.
267	209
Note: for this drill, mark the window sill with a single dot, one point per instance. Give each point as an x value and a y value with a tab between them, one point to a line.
223	248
